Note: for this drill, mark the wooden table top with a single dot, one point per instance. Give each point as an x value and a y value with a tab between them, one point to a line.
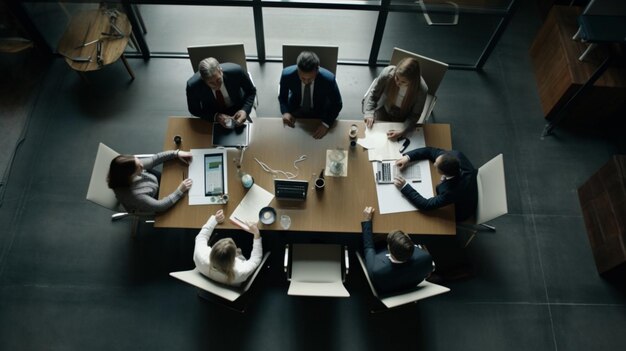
338	208
87	26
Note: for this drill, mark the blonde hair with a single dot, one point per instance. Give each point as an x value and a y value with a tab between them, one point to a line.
408	68
222	257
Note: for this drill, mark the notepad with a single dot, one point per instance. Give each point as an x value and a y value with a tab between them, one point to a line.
248	209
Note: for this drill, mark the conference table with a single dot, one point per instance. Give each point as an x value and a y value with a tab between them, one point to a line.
337	208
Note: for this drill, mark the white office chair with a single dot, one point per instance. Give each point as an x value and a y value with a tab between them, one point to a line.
100	193
432	71
235	53
316	270
438	5
328	55
228	296
422	291
491	194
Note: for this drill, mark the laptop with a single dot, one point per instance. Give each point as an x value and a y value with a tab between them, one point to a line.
289	189
386	171
238	136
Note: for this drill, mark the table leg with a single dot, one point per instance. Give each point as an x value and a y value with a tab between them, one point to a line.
130	71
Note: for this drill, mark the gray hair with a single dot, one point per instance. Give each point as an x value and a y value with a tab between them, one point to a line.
208	67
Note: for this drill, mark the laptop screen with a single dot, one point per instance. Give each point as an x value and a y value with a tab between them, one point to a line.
213	174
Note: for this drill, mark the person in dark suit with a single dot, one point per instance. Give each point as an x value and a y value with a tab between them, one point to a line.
220	93
309	91
458	182
400	266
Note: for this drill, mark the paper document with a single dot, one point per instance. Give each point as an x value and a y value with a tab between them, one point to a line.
248	209
391	200
381	148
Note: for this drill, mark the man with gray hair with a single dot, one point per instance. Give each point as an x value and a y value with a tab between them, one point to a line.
220	93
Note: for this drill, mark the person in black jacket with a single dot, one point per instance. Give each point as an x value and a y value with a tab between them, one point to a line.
400	266
458	182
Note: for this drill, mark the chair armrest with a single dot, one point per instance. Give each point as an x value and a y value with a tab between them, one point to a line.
286	262
346	260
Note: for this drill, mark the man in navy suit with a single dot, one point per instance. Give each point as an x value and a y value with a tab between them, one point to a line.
401	266
309	91
220	93
458	182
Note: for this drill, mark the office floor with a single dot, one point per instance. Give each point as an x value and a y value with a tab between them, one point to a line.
70	279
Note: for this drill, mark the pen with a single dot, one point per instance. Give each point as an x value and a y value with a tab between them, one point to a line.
416	181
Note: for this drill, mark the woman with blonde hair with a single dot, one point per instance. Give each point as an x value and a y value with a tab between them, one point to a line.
398	94
223	262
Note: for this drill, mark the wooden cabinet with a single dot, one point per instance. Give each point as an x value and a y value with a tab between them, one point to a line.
560	74
603	202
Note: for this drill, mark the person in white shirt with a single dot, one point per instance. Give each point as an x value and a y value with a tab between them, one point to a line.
223	262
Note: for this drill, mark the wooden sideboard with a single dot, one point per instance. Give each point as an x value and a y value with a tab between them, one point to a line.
560	74
603	202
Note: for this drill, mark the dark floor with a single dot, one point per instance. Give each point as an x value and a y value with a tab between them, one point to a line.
70	279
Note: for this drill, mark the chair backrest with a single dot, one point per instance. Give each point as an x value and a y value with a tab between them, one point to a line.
328	55
606	8
234	53
195	278
423	290
316	271
432	70
491	190
99	191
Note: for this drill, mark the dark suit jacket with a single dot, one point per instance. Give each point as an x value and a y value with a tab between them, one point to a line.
201	101
462	191
326	97
389	277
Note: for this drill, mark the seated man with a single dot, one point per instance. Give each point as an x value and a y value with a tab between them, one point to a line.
401	266
220	93
309	91
458	182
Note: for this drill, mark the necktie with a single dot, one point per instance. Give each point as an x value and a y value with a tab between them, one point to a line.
219	97
306	99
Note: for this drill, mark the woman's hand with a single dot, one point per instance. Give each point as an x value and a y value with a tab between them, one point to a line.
185	156
219	216
253	229
369	122
185	185
394	134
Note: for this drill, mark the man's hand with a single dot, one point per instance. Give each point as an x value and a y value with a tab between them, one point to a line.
289	120
394	134
369	122
321	131
240	117
399	182
219	216
222	118
368	212
402	162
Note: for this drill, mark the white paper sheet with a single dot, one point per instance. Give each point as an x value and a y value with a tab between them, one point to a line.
391	200
381	148
248	209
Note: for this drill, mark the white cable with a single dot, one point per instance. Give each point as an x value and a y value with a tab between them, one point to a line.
288	175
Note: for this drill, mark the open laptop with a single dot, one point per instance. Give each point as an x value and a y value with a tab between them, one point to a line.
386	171
289	189
238	136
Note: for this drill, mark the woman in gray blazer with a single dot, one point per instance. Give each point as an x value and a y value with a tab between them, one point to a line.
398	94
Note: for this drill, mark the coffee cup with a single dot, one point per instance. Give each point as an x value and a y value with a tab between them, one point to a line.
320	183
